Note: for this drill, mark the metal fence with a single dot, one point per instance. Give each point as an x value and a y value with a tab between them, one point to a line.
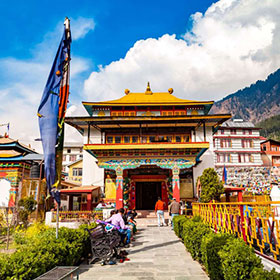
258	223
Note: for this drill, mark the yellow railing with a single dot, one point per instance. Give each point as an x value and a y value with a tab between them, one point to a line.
258	223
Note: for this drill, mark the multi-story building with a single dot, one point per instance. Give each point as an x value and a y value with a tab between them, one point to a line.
75	173
271	152
237	144
72	152
147	145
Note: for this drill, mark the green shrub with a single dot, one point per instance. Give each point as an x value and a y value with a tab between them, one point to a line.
193	233
178	222
238	260
261	274
211	244
211	185
40	253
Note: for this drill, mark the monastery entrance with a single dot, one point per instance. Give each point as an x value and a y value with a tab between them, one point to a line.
147	194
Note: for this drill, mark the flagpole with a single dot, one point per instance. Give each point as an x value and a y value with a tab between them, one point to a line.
64	92
57	220
51	113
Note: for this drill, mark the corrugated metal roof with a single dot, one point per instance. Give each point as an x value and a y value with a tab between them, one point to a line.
35	157
73	144
238	123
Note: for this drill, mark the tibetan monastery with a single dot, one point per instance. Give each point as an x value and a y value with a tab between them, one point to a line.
146	145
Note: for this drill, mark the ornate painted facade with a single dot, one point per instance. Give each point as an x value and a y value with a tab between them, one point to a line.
150	144
13	167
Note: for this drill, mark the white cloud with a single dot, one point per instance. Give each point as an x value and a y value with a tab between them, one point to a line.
232	45
24	81
81	26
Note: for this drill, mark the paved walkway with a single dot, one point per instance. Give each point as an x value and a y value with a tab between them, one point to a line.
157	254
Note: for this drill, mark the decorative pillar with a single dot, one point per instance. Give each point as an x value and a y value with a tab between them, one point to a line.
164	194
176	183
89	201
70	205
119	188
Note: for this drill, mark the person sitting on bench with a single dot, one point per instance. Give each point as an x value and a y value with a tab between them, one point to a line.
117	220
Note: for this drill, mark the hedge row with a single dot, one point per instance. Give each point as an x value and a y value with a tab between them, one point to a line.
40	252
223	256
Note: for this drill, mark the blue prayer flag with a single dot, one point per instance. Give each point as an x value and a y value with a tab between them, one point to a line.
50	106
224	175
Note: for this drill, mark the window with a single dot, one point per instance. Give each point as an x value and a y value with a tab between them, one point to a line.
127	114
247	131
109	139
186	138
167	113
179	113
178	139
222	131
77	172
144	139
72	157
152	139
126	139
68	151
233	131
223	158
225	143
134	139
64	158
169	139
117	114
242	158
118	139
247	143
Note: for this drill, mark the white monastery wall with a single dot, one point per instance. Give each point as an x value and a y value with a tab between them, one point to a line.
92	174
207	159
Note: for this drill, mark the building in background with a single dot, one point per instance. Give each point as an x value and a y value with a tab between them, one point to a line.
19	162
72	152
237	144
147	145
75	173
270	152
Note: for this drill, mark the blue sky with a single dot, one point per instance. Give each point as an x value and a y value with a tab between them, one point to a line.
203	49
118	24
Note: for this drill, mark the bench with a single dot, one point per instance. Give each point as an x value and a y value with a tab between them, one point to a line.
104	244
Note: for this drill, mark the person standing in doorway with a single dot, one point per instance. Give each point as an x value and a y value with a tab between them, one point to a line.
159	211
174	210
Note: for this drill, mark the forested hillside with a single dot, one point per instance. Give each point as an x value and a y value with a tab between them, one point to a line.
270	127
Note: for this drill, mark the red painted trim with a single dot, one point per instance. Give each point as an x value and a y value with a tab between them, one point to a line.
239	152
237	136
154	143
75	191
241	164
134	177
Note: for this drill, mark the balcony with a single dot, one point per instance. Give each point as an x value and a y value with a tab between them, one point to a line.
148	150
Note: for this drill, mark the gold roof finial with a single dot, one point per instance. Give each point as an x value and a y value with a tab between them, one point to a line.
148	89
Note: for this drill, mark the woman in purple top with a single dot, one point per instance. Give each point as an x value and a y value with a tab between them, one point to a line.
117	221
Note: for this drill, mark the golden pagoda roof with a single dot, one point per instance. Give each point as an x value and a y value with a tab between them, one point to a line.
148	98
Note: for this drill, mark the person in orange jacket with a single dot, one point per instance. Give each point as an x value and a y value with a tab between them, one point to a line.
159	211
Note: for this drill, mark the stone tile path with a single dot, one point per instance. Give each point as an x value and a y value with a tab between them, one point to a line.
156	254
